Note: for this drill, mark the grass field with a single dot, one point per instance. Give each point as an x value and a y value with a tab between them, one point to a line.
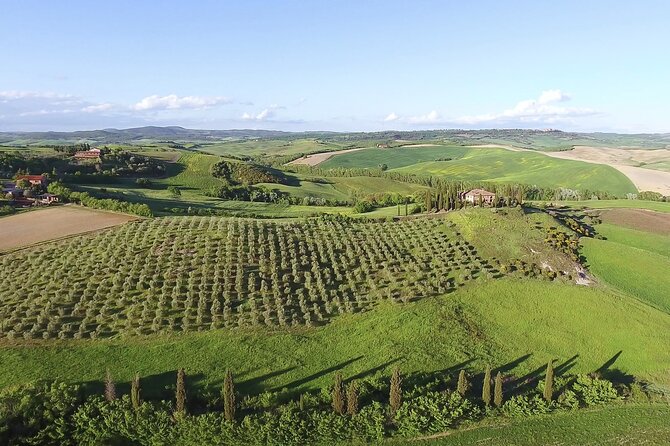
625	265
515	325
490	164
344	188
192	175
256	147
647	241
505	235
499	165
618	425
394	157
619	204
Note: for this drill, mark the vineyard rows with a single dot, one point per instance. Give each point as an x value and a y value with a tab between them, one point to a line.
195	273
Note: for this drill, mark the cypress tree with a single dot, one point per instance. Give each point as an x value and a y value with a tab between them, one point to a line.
486	386
498	391
110	388
462	386
135	391
180	408
395	393
229	397
301	402
549	382
352	398
338	395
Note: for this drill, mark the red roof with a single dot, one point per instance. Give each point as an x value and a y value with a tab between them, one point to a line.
31	177
482	192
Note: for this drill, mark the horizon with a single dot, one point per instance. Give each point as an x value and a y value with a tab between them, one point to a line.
242	129
345	67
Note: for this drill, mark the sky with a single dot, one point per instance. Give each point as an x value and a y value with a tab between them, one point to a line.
359	65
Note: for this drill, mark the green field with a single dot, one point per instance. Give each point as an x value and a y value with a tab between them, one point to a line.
500	165
647	241
287	301
474	326
394	157
260	147
489	164
619	204
635	271
344	188
629	424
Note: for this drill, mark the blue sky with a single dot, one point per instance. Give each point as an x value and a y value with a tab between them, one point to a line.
335	65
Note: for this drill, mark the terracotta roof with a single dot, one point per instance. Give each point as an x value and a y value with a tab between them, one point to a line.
31	177
478	192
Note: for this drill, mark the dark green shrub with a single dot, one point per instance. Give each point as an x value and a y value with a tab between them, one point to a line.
434	412
594	391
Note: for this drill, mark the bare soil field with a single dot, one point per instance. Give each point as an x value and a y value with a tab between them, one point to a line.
625	161
624	157
29	228
317	158
639	219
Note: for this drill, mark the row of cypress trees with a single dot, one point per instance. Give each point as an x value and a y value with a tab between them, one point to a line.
345	399
227	393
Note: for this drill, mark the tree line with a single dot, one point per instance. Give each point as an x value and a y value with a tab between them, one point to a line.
362	410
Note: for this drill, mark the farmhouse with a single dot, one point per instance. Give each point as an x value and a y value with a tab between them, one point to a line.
475	195
93	153
34	180
46	199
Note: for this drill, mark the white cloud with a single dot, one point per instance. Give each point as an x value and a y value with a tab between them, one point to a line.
97	108
429	118
13	95
549	96
391	117
174	102
544	109
263	115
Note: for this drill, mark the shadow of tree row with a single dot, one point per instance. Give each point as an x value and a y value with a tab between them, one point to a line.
162	385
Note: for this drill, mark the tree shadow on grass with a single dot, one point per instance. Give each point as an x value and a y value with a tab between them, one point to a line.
152	387
530	379
254	385
372	371
614	375
293	385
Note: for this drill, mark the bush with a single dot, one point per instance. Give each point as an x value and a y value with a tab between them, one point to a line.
522	405
247	173
362	207
594	391
6	209
434	412
38	413
143	182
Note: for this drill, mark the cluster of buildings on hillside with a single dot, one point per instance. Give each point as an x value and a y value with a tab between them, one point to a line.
91	154
30	190
26	196
476	196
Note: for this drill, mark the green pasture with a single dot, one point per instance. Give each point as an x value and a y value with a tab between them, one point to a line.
395	157
637	272
630	424
500	165
647	241
618	204
514	325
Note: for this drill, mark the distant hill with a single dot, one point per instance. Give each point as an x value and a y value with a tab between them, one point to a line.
533	139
